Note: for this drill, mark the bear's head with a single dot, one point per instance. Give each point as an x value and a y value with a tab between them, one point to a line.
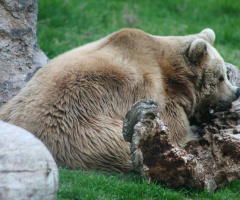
213	87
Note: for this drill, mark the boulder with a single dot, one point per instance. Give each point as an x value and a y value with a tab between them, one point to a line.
233	74
20	56
27	169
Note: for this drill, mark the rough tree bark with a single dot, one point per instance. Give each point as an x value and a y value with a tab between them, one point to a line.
208	163
20	55
27	169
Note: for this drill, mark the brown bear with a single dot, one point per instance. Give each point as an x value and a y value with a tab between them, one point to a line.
77	103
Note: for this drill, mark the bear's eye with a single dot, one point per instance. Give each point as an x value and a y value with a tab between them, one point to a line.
221	79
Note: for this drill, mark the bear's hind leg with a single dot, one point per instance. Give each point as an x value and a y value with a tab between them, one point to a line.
99	145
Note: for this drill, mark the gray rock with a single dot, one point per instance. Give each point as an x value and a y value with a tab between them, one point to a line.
27	169
20	56
233	74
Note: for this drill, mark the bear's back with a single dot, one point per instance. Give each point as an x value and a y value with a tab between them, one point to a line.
97	78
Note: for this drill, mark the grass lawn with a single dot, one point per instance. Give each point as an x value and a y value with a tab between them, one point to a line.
65	24
81	185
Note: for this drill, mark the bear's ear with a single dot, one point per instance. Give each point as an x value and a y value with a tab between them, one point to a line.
208	35
197	50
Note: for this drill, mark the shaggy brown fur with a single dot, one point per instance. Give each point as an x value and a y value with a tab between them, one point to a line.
77	103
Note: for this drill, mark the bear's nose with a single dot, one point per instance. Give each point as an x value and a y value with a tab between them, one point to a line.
238	93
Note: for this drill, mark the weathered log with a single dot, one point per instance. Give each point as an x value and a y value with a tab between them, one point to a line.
209	162
154	156
20	55
27	169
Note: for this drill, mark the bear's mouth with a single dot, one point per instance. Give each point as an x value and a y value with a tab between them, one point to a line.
206	114
223	105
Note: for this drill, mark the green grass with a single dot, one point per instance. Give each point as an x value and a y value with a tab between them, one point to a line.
65	24
100	185
81	185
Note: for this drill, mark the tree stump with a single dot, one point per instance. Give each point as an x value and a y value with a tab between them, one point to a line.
208	163
27	169
20	55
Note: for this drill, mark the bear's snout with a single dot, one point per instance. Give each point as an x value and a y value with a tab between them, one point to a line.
238	93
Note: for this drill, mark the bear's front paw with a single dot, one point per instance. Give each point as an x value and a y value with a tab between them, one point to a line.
143	109
197	131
